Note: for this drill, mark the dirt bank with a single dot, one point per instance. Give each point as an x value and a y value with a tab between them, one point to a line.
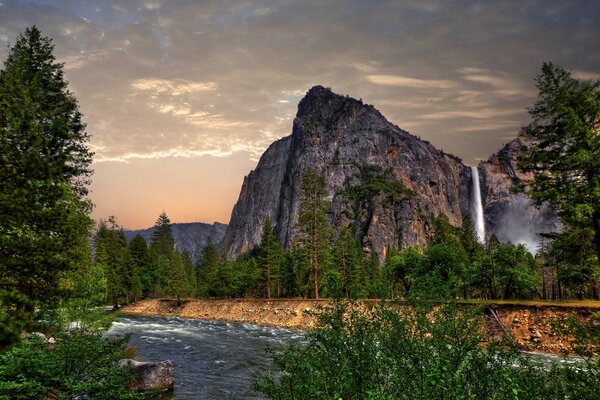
278	313
530	326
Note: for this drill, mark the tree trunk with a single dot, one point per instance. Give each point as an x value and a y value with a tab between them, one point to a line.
316	279
596	220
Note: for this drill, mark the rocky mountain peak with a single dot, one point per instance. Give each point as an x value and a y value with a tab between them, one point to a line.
383	182
322	105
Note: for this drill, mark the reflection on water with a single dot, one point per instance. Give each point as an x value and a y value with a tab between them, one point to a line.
213	360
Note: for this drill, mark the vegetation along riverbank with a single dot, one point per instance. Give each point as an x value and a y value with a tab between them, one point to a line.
532	326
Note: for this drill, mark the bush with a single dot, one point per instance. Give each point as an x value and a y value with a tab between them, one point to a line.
363	352
77	366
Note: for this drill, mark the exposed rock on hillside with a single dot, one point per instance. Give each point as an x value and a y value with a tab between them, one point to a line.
191	236
511	216
382	180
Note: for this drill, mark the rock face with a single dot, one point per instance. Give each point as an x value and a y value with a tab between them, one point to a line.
512	216
358	151
191	236
383	182
150	375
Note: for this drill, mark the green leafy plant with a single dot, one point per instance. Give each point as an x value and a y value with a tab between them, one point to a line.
418	352
78	365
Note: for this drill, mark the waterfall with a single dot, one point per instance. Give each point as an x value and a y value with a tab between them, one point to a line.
476	206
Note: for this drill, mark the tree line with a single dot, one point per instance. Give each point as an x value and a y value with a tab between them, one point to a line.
321	263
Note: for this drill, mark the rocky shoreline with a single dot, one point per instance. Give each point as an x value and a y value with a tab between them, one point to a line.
531	327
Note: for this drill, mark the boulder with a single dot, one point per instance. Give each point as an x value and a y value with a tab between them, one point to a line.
150	375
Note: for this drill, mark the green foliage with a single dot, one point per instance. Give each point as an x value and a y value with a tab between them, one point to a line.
415	353
14	317
207	269
517	270
162	237
350	265
84	305
313	233
563	149
373	181
270	260
77	366
573	254
122	276
44	170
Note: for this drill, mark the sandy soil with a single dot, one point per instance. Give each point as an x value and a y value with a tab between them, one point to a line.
277	313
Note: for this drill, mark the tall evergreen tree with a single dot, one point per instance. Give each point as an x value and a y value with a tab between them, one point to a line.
138	248
313	230
161	255
206	270
162	237
178	284
349	262
563	149
113	255
270	258
44	170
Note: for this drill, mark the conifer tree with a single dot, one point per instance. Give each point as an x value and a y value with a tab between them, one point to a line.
44	170
349	263
162	237
138	248
161	253
563	150
313	230
207	269
113	255
270	258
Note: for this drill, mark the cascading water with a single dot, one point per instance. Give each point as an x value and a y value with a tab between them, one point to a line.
476	206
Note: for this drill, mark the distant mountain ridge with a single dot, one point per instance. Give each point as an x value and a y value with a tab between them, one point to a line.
190	236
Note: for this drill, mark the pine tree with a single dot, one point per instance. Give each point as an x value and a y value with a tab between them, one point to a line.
161	254
563	150
113	255
349	263
44	170
178	285
138	248
270	258
313	230
207	269
162	237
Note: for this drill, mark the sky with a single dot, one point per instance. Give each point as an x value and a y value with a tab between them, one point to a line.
182	97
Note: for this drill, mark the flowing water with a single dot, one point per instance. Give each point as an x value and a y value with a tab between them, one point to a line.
476	206
213	360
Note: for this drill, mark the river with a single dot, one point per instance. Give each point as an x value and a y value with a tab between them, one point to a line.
213	360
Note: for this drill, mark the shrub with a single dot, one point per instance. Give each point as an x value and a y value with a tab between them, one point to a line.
362	352
82	365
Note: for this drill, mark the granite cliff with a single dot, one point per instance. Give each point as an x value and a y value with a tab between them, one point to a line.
511	216
383	182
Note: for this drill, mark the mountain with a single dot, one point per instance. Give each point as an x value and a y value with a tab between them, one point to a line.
358	151
191	236
383	181
509	215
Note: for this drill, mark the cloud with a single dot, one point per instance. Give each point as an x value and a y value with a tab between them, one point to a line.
155	77
485	113
508	126
585	75
404	81
174	87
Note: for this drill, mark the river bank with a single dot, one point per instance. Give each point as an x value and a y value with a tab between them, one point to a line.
532	327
